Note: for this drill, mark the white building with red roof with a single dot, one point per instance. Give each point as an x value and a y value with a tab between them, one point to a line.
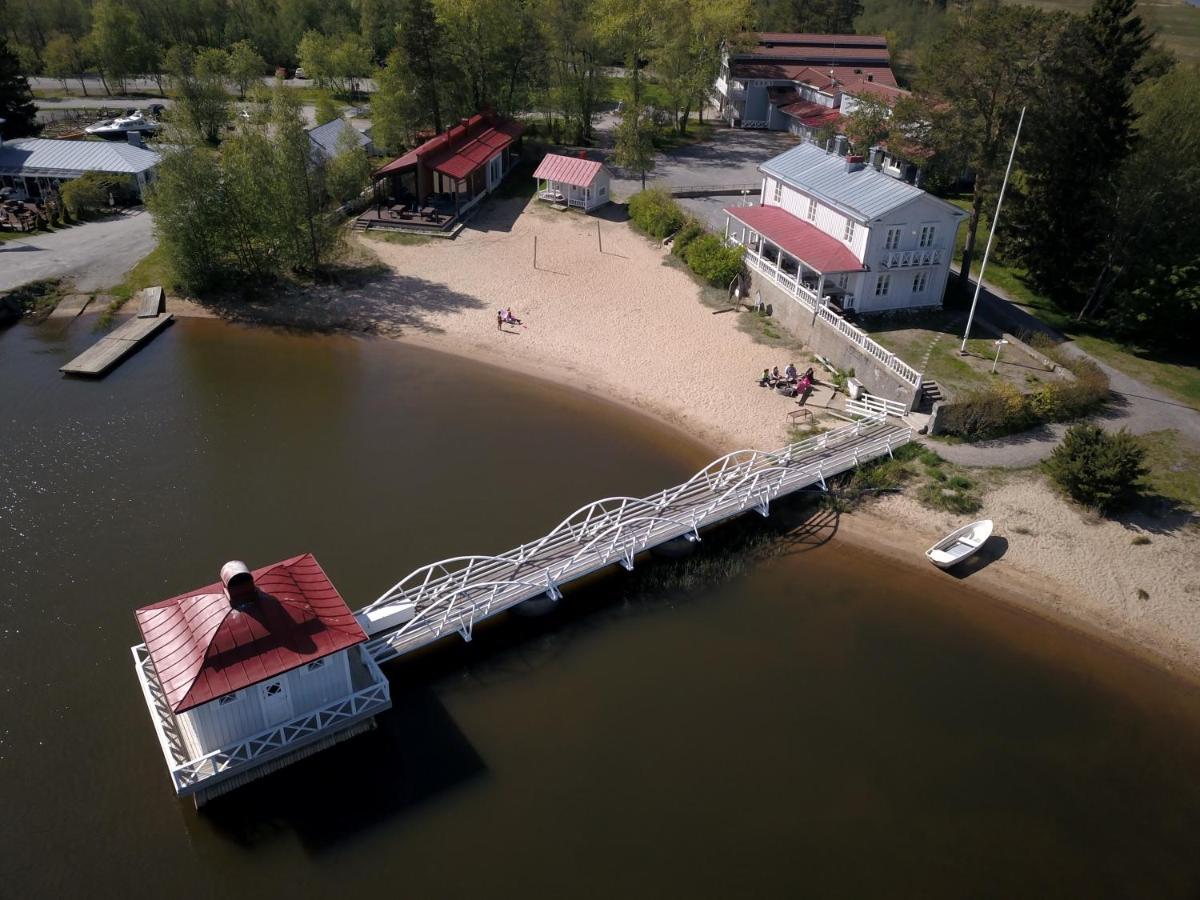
252	672
832	229
802	82
572	181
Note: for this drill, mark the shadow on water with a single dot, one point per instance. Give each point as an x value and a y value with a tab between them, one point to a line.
415	755
418	754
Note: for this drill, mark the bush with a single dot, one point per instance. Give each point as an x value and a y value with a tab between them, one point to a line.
1096	468
691	230
950	497
89	194
655	212
709	258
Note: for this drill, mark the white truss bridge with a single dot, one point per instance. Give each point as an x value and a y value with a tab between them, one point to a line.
454	594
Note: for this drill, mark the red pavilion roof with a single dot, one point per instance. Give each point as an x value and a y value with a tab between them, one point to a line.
794	236
568	169
203	648
461	149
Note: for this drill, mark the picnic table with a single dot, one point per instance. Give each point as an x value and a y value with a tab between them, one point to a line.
428	212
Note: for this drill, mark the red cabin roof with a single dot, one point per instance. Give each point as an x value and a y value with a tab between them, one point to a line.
461	149
203	648
568	169
794	236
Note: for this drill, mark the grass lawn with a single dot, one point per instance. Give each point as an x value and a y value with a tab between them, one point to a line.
1174	467
399	237
1178	377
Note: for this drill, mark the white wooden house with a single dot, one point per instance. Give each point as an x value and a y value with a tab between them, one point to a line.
832	228
573	181
248	674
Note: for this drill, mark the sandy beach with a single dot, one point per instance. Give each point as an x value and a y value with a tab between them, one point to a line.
629	325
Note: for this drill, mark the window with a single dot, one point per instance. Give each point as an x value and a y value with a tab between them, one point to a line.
812	209
778	190
848	234
893	238
927	235
275	688
315	664
230	698
919	282
882	284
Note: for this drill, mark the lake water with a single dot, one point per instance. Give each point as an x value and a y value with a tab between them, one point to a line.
807	720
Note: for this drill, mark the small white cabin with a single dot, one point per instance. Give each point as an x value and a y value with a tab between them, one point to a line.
247	674
573	181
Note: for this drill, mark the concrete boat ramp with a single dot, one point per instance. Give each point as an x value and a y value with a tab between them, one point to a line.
124	340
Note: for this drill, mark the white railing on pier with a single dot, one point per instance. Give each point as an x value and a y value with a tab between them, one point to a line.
871	406
808	298
453	594
191	773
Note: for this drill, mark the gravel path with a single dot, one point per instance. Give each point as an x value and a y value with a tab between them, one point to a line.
95	255
1136	405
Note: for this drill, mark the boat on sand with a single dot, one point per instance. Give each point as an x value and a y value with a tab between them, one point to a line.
960	544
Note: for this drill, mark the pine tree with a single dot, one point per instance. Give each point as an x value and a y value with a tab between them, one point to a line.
1079	138
420	44
16	100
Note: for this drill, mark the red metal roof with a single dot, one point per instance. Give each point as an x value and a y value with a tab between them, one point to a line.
568	169
808	113
202	648
462	159
815	75
806	242
460	149
837	40
817	55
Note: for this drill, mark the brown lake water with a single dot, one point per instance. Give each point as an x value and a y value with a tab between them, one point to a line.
814	722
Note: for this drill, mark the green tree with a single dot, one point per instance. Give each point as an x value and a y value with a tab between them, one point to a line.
246	67
1095	67
296	190
486	44
316	57
634	148
115	42
16	100
348	171
64	59
1096	468
420	45
394	109
188	200
326	110
573	54
985	69
868	123
351	63
202	105
628	26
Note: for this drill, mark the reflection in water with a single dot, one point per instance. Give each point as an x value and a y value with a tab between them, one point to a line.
777	714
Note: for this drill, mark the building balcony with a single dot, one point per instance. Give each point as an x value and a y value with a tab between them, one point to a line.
911	259
192	774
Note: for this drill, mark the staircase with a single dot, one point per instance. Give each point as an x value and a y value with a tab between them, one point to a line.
931	393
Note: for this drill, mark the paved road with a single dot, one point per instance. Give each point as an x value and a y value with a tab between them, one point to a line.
95	255
1137	406
731	157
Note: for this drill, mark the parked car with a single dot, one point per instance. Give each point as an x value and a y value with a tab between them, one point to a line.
300	73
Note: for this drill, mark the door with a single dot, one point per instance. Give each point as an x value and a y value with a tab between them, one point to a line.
275	700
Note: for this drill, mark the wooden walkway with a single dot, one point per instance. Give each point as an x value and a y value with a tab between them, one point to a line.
124	340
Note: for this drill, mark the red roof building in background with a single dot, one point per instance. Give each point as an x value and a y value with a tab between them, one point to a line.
205	644
456	167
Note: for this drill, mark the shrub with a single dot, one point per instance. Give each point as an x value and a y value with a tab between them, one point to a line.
709	258
655	212
89	194
951	499
989	412
691	230
1095	468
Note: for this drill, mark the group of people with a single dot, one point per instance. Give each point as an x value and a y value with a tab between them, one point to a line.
789	382
505	317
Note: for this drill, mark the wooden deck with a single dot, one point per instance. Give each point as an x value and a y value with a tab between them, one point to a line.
110	350
153	301
71	306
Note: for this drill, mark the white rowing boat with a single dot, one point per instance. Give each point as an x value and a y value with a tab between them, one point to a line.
960	544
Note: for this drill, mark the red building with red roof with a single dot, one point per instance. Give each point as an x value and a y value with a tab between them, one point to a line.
248	673
449	173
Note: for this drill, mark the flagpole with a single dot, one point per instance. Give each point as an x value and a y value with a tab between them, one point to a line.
991	234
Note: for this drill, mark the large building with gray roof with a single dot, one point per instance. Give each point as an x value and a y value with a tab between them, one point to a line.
37	166
833	229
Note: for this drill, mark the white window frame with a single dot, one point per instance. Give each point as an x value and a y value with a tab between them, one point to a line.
812	209
315	664
778	191
928	234
883	284
278	683
892	240
229	698
920	282
848	231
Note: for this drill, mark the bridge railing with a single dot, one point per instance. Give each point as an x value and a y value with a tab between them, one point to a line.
455	593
